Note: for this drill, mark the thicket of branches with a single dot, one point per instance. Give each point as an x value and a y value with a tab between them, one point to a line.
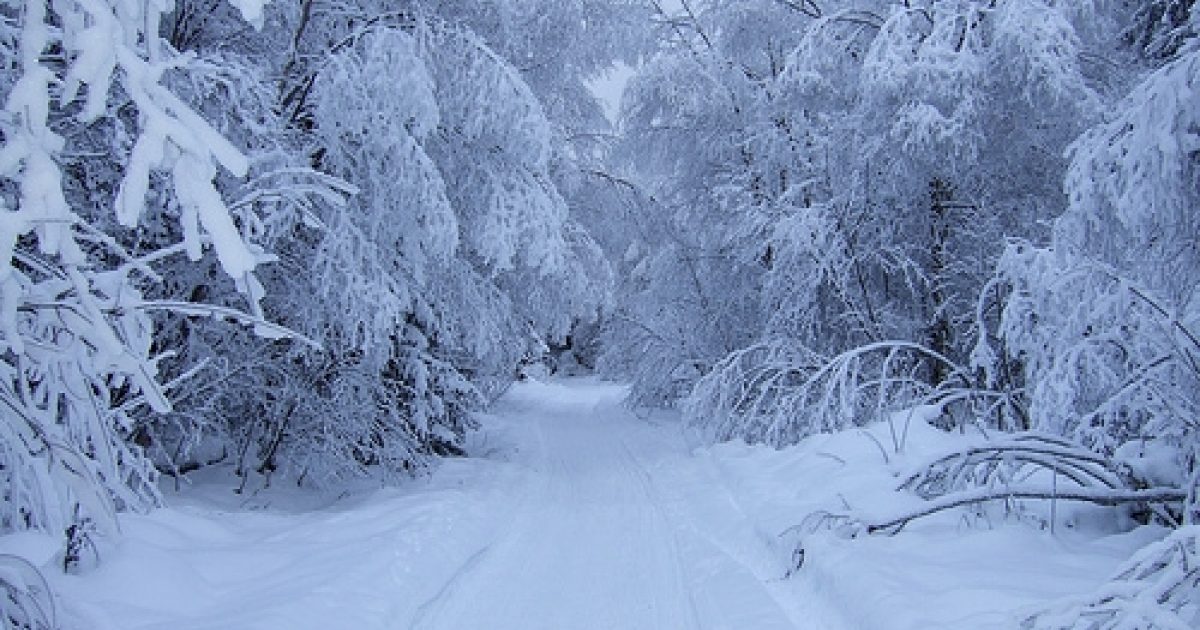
981	211
298	240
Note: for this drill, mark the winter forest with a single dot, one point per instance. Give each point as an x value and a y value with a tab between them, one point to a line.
830	314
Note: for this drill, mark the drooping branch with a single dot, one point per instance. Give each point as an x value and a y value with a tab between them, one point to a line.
807	7
978	465
1098	496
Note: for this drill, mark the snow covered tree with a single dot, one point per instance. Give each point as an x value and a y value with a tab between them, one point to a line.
1105	318
942	136
587	37
692	291
96	142
1093	332
455	256
884	163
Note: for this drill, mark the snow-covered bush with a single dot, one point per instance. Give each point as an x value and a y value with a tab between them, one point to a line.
1105	319
1028	466
778	393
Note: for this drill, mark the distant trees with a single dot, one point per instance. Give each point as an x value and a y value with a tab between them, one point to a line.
695	262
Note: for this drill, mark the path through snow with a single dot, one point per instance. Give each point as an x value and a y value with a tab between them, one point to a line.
575	515
597	539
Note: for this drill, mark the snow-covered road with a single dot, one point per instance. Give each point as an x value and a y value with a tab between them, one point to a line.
596	539
574	514
588	543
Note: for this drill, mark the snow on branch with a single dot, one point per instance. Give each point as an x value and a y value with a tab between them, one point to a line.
80	367
1025	466
777	392
1157	589
26	600
1004	460
1098	496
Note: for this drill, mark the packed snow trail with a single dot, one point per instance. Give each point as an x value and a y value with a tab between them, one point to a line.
571	514
593	541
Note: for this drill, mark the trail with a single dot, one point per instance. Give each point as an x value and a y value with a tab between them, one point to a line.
598	540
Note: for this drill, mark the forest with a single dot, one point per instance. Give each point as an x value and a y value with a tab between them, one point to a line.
311	243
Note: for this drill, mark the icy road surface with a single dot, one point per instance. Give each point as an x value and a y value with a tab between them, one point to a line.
573	515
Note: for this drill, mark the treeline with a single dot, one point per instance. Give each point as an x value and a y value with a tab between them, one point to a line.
985	209
987	206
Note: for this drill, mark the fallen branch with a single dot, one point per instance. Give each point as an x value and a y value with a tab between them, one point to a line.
1098	496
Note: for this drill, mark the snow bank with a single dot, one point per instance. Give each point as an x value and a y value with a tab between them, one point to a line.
985	569
280	558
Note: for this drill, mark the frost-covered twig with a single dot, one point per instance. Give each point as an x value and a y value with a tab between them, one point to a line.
261	327
27	602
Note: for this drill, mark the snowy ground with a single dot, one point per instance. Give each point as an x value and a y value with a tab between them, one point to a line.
576	514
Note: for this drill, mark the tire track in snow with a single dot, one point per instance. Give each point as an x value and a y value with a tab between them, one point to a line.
588	546
431	609
448	590
642	477
594	540
739	540
655	497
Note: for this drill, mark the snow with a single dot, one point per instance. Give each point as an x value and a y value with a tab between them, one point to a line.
576	513
609	87
948	571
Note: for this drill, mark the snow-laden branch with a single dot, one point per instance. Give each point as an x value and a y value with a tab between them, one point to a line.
28	600
777	392
1158	588
1098	496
